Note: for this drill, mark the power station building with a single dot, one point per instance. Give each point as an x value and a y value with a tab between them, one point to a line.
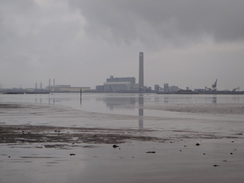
118	84
141	71
125	84
65	88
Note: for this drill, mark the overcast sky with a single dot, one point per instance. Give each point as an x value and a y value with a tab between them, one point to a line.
82	42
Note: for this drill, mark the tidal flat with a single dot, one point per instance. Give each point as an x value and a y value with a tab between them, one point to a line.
121	138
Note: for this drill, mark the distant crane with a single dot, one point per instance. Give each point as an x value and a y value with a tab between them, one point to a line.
214	86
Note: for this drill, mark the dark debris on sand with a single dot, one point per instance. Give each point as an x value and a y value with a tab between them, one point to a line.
50	134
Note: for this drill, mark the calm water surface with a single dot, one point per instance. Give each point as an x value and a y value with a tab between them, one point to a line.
117	103
111	110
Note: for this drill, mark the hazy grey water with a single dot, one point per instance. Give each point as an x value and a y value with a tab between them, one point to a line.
108	110
115	102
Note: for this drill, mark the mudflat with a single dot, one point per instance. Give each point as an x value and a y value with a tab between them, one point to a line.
179	150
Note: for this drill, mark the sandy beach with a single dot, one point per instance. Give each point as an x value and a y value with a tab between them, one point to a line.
180	150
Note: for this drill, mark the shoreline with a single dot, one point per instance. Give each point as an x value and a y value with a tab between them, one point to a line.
57	157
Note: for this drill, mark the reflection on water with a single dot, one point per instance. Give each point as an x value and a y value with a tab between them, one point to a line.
51	100
140	110
214	99
128	104
121	110
80	97
166	99
211	99
116	102
156	99
236	98
38	100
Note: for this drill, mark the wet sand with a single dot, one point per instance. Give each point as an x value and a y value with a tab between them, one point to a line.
202	108
45	153
49	134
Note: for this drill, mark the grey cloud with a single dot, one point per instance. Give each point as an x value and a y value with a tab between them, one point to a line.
81	42
25	28
170	20
35	39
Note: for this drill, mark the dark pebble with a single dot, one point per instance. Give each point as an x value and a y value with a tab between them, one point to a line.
197	144
72	154
215	165
150	152
231	153
115	146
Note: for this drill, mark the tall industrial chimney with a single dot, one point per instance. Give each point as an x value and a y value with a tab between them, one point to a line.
141	72
53	82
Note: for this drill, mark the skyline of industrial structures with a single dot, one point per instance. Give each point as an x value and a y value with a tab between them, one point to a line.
82	47
125	84
122	84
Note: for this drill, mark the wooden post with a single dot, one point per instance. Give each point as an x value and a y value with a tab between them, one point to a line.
80	96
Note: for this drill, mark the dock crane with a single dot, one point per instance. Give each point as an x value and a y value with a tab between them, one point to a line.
214	86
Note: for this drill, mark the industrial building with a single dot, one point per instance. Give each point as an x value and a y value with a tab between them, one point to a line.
118	84
65	88
170	89
125	84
